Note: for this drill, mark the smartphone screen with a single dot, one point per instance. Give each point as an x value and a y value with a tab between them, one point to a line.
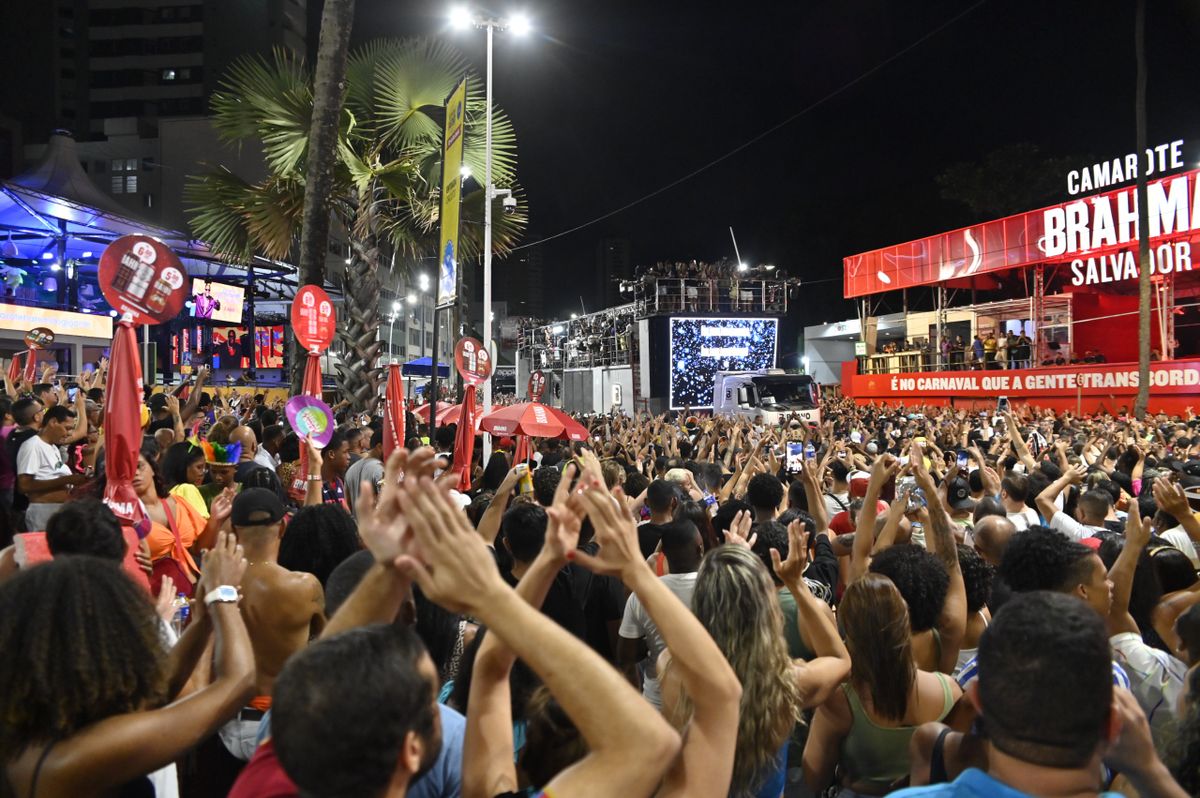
1002	404
962	461
795	455
72	393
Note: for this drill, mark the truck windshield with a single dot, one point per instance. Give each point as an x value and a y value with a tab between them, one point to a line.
783	391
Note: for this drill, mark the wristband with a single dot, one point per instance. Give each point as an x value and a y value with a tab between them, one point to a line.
222	594
314	479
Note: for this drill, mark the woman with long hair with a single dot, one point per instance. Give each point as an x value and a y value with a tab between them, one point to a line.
735	601
176	530
183	469
864	729
95	716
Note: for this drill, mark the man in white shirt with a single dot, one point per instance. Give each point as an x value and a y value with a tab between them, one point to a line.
683	548
1014	489
267	455
41	473
1175	522
1090	510
837	498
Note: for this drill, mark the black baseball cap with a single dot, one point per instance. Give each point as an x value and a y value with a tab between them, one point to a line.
959	495
256	507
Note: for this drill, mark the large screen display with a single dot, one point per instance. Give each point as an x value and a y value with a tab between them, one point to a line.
216	301
229	348
701	347
268	347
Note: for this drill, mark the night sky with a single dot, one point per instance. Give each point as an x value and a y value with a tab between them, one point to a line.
614	100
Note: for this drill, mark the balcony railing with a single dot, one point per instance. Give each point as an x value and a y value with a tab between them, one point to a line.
661	295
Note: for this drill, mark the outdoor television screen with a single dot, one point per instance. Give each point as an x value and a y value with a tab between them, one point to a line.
229	348
216	301
268	347
701	347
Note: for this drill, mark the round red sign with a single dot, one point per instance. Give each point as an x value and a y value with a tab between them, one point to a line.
141	276
537	386
313	318
472	361
39	338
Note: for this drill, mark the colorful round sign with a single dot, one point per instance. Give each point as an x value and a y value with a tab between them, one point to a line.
313	318
473	362
537	386
39	338
141	276
310	418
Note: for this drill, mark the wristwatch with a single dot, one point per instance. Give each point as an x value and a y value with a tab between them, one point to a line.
222	594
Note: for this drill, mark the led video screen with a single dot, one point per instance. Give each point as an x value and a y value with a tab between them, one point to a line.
700	347
216	301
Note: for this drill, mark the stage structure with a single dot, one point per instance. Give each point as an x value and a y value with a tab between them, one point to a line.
1065	277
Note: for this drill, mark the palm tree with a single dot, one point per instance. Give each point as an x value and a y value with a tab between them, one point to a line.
384	192
329	94
1143	391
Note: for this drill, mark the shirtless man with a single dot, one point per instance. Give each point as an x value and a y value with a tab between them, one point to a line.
282	609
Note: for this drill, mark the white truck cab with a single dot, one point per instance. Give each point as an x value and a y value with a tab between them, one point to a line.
769	393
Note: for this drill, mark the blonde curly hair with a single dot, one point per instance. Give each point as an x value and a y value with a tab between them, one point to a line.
736	602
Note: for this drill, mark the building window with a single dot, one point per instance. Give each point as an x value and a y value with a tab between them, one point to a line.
131	164
168	74
414	338
118	165
131	184
117	184
147	164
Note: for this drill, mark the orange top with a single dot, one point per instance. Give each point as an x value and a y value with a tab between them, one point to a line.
190	526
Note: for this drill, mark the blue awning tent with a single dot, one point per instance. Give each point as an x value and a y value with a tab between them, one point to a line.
423	367
53	214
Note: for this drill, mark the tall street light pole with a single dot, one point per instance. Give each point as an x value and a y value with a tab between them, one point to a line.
519	24
392	332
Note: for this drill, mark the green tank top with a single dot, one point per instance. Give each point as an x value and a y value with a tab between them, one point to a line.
878	755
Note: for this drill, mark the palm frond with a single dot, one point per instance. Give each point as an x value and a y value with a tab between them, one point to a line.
269	100
238	219
412	83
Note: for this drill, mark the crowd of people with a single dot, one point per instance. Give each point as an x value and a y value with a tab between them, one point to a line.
986	351
721	286
928	601
597	339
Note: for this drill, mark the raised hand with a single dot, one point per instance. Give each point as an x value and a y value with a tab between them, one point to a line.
616	533
740	528
164	605
1170	498
222	504
791	570
1137	530
565	516
382	526
225	563
454	568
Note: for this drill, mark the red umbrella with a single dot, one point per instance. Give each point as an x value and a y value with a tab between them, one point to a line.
393	416
523	452
572	429
31	363
447	414
526	418
464	441
14	369
312	376
311	386
123	427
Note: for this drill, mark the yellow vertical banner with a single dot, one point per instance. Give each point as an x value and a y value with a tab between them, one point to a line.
452	148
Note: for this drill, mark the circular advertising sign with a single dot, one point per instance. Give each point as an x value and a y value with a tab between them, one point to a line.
310	418
473	362
313	318
141	276
537	386
39	338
